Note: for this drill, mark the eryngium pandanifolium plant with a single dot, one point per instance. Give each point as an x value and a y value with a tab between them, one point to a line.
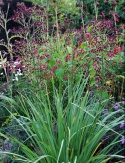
64	128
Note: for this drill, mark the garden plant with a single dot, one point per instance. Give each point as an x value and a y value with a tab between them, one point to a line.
62	82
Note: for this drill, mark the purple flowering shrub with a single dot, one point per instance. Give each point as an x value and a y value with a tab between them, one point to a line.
96	52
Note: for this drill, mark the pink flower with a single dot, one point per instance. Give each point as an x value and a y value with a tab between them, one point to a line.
54	26
68	58
72	22
43	67
117	20
76	55
87	35
87	27
58	61
111	55
54	68
75	48
4	65
35	51
103	14
116	16
95	65
43	48
85	65
65	78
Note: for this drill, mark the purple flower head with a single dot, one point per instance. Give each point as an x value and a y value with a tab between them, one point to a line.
7	145
35	51
116	106
122	125
11	148
123	139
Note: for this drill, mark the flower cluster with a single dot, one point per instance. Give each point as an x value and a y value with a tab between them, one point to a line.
96	50
116	106
7	145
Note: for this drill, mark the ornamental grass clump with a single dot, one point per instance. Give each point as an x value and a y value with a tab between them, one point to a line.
67	127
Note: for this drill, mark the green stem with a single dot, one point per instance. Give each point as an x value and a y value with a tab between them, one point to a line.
83	25
102	69
122	89
96	10
57	25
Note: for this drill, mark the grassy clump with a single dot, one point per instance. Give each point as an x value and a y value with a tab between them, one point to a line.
60	129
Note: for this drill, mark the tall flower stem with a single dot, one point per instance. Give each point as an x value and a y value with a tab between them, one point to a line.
122	88
114	16
5	20
103	66
7	33
96	9
83	25
2	60
47	19
57	24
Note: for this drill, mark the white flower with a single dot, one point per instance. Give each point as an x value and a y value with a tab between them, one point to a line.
16	63
16	78
19	72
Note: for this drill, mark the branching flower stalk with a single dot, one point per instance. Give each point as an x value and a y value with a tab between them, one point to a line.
3	61
3	24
